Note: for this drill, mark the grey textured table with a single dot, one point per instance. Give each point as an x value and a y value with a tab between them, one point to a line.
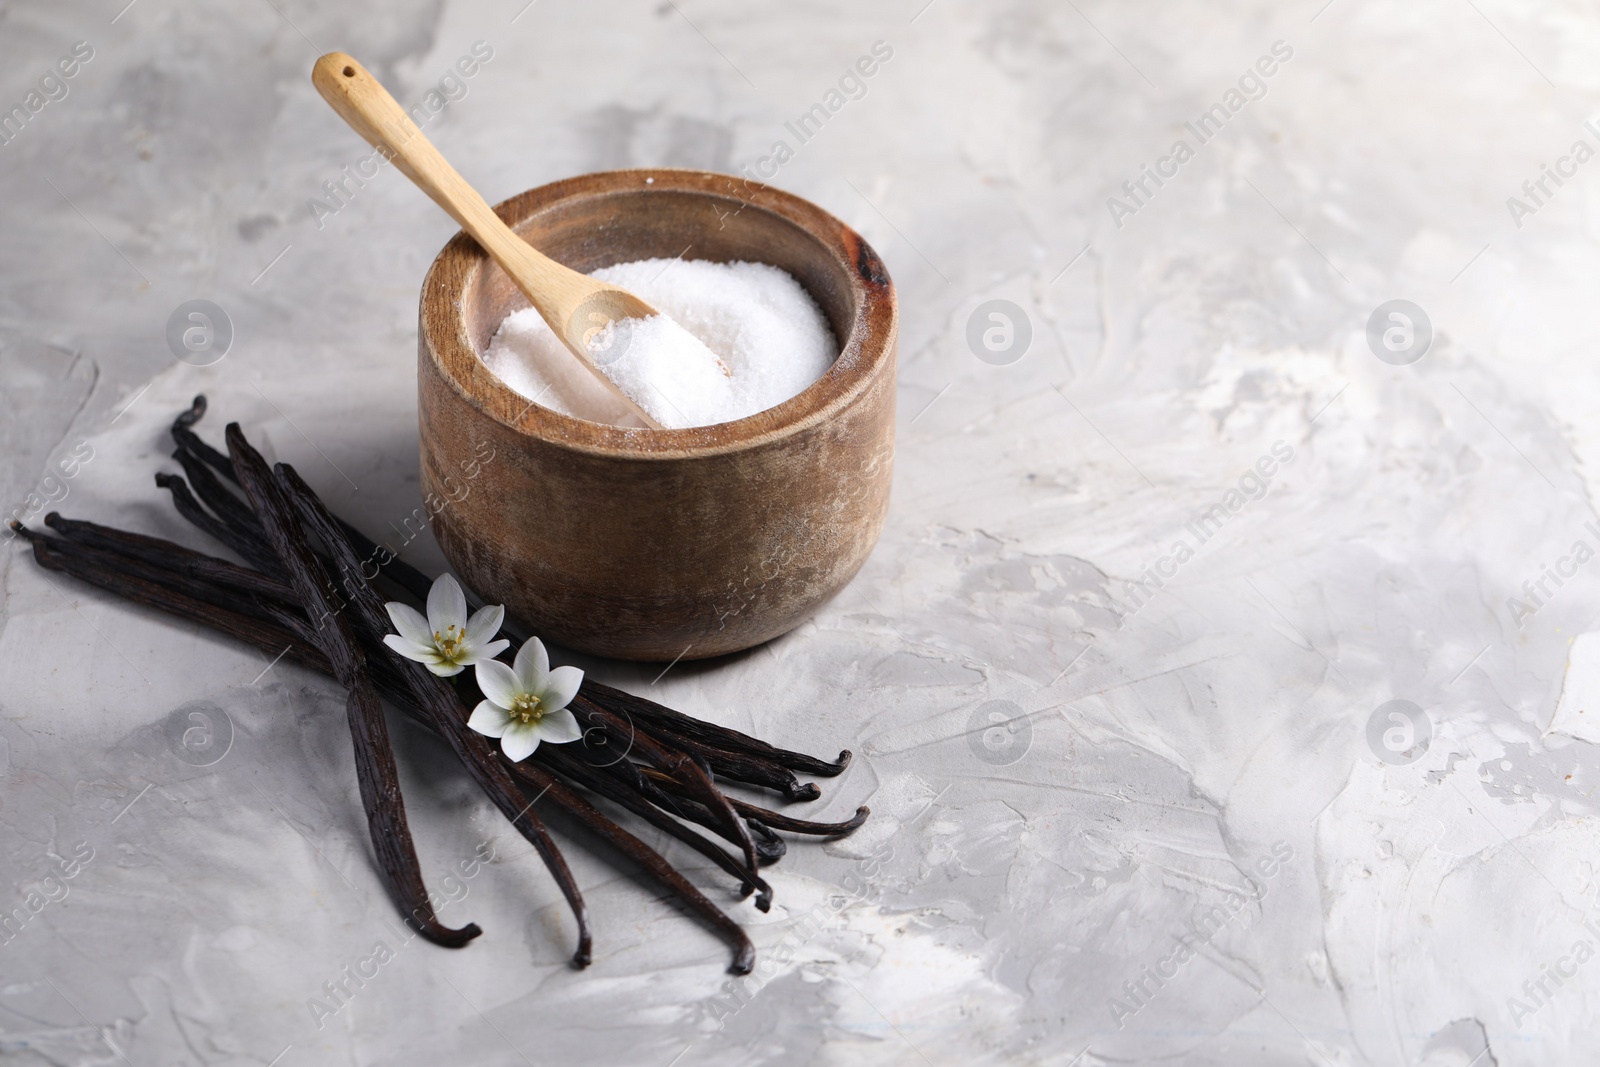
1119	675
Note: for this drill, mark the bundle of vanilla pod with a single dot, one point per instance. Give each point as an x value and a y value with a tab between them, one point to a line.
297	588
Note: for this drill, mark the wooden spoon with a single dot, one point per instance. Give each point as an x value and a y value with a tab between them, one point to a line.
573	304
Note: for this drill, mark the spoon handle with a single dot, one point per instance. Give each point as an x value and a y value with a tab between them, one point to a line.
557	292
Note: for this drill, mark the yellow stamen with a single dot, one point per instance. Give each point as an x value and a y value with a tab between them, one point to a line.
527	708
449	643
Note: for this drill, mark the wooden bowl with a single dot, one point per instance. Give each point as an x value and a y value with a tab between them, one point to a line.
658	544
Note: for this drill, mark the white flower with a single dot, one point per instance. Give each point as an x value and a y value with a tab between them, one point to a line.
527	703
446	641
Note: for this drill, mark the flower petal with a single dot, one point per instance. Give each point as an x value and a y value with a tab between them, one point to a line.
409	623
485	623
498	682
411	650
533	665
559	727
489	719
447	605
444	668
560	687
519	741
469	654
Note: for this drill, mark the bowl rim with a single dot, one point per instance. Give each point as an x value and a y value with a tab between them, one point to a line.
868	348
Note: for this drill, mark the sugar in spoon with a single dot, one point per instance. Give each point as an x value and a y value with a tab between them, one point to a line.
573	304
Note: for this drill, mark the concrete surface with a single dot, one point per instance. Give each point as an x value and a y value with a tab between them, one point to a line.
1122	674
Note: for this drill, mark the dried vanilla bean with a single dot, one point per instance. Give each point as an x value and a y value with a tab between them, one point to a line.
272	641
185	438
736	767
144	570
435	695
593	779
541	784
733	766
56	554
744	955
776	820
680	754
712	735
391	566
223	502
170	556
672	761
717	817
531	774
397	570
376	772
248	547
772	819
769	849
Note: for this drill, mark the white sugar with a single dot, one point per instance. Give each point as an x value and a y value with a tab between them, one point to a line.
753	319
667	370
